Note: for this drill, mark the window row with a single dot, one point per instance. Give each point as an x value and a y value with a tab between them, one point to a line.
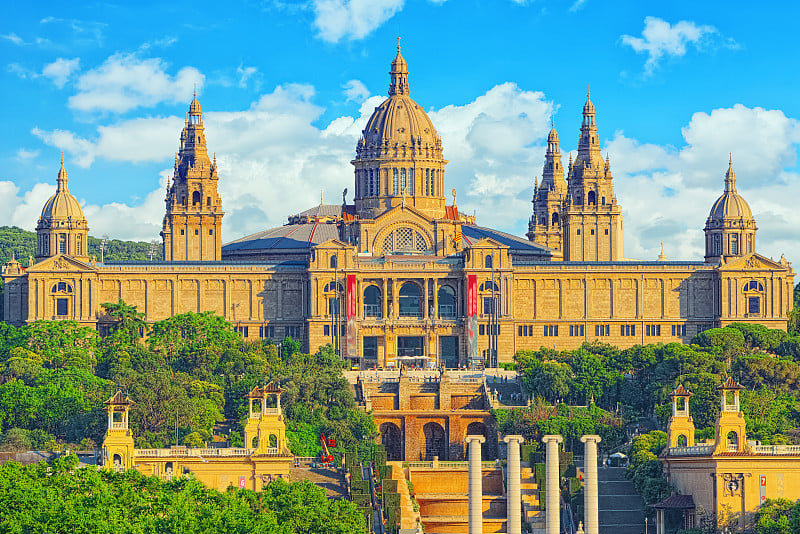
197	232
488	329
401	182
43	244
409	301
326	330
591	232
268	331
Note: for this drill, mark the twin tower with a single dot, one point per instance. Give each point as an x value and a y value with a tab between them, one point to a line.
580	216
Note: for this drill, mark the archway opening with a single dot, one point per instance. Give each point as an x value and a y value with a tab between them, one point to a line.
410	301
447	302
435	441
682	441
372	302
480	429
591	198
733	441
392	441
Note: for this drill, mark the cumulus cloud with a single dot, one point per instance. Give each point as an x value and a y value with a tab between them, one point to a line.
661	39
60	70
355	91
126	81
335	20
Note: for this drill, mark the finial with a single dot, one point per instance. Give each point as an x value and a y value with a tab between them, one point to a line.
398	44
13	256
320	197
588	92
454	197
195	90
553	120
730	159
62	158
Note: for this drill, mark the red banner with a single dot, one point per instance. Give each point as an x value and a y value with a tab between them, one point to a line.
472	317
352	316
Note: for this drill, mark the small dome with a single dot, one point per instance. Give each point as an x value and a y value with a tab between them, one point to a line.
730	205
194	107
588	107
553	135
62	205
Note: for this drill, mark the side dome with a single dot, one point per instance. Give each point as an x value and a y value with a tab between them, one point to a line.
62	205
731	205
399	121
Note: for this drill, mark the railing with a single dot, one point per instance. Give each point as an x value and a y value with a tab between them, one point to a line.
776	449
372	310
697	450
166	453
447	465
118	426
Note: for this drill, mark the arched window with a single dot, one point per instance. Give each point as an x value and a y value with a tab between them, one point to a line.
196	198
447	302
62	287
333	262
733	441
404	240
334	286
753	291
489	286
591	198
410	304
487	261
372	302
554	219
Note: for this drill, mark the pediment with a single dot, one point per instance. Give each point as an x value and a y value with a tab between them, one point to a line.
487	242
61	263
753	262
332	244
402	213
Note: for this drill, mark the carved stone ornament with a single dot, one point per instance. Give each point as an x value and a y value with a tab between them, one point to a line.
61	264
752	263
732	484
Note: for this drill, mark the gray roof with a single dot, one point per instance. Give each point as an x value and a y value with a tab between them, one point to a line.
288	237
473	234
323	210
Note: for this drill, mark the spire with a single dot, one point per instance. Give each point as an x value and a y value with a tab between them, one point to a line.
399	74
62	178
730	177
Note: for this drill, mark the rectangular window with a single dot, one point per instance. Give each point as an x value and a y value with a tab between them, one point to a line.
551	330
266	332
62	243
181	231
679	330
62	306
576	330
333	306
395	185
519	331
488	305
292	332
244	330
481	330
753	305
196	231
208	201
602	330
592	231
627	330
78	247
734	244
370	347
606	231
579	231
211	232
326	330
653	330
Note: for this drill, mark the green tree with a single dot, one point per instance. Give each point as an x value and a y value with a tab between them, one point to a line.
552	380
63	343
128	324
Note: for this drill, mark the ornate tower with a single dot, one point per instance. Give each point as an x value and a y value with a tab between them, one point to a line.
548	198
592	219
680	430
265	430
118	444
193	222
730	432
730	228
62	227
399	158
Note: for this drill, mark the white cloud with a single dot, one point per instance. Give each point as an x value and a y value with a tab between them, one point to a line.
126	81
26	155
14	38
60	70
246	74
356	91
660	39
577	5
335	20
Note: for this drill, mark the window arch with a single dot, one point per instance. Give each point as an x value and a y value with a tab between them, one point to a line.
487	261
591	198
753	291
410	302
196	198
404	240
682	441
554	220
62	287
372	302
447	302
334	286
489	286
733	441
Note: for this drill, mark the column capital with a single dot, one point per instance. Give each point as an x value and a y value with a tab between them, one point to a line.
475	439
590	438
552	438
512	438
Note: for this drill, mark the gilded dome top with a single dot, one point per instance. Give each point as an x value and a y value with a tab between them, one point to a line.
730	205
552	137
194	107
399	121
62	205
588	107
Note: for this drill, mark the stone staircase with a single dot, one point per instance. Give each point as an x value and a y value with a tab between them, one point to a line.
531	511
619	506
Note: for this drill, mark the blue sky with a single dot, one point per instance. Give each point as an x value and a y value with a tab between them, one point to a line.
286	87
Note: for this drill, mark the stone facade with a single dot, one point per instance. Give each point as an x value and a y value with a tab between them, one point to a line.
400	276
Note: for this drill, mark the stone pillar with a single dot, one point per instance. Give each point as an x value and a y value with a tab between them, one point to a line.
590	483
513	495
475	484
552	476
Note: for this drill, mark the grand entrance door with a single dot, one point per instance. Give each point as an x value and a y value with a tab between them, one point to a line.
448	351
410	346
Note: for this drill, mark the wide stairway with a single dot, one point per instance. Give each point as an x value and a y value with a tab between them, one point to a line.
619	506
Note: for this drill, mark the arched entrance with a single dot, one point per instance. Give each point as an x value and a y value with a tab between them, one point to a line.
435	441
392	441
479	429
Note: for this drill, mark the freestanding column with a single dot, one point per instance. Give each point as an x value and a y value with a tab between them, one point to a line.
553	513
513	495
590	484
475	484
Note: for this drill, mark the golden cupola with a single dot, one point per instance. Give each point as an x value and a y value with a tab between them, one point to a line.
730	228
62	228
399	157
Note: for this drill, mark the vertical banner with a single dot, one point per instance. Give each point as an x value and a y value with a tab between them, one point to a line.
762	480
472	317
352	316
241	482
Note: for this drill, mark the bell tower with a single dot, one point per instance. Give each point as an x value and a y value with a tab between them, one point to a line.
548	198
680	430
118	443
265	430
193	222
731	435
592	219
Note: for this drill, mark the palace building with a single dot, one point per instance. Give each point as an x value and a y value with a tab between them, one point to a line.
400	275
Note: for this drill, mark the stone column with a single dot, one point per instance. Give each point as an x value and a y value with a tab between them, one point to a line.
475	484
513	495
590	483
552	476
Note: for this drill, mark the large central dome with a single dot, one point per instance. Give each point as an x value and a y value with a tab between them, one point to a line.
399	158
